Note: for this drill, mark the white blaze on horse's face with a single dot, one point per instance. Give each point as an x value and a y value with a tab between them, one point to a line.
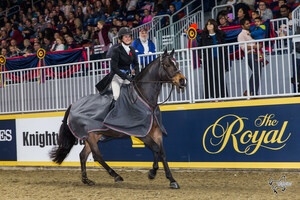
179	79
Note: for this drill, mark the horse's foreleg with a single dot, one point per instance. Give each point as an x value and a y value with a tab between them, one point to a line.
92	140
158	151
83	158
163	157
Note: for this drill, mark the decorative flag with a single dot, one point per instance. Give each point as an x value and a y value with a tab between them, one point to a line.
2	69
192	31
41	55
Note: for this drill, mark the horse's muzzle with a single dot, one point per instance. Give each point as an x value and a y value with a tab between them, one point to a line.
180	81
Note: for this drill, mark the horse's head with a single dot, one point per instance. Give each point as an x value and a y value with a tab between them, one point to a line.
170	70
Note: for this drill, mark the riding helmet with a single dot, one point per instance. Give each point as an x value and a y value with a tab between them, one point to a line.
124	31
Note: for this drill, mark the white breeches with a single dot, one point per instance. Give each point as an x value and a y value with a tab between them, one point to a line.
116	83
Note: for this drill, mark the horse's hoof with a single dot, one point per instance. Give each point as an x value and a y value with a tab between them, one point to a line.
88	182
174	185
118	179
151	174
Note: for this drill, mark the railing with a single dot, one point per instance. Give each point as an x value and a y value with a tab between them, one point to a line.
169	37
281	26
153	26
296	19
11	11
210	78
215	9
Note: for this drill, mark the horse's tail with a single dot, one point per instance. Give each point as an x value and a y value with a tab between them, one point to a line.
66	140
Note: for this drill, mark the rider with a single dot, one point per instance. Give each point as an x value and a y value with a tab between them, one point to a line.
122	59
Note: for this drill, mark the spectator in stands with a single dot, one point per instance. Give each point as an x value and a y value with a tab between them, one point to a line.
251	50
27	45
66	31
264	12
13	43
68	8
88	35
17	34
28	30
70	22
131	5
283	28
280	3
8	27
36	47
223	19
79	14
14	52
178	4
4	44
258	32
78	37
61	22
4	52
58	44
137	20
213	66
254	15
249	3
147	16
284	11
46	44
143	45
70	44
113	33
103	37
164	5
171	12
242	14
148	6
3	35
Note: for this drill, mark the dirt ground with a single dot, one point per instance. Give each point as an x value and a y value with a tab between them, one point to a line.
42	183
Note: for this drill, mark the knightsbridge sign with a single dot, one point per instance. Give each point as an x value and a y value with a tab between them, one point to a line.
268	133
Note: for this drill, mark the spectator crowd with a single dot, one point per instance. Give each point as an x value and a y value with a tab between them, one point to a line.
56	25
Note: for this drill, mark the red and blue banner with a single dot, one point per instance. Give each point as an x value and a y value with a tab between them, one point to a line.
50	59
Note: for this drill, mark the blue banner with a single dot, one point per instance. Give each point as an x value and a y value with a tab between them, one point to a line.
266	133
52	58
8	140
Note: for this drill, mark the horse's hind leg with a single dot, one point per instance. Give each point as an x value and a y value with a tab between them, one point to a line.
92	141
83	158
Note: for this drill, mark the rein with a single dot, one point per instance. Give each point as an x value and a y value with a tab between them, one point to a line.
145	99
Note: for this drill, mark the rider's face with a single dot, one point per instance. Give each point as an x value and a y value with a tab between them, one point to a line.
127	39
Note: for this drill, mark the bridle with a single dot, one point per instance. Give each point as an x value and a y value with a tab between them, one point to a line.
134	84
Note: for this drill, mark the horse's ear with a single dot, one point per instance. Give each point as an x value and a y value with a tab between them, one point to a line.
165	52
172	53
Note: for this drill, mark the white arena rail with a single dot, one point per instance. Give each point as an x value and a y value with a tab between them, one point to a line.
54	88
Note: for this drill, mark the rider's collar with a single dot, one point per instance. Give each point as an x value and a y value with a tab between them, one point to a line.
126	47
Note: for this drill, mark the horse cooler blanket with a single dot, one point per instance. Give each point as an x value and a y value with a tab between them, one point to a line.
131	115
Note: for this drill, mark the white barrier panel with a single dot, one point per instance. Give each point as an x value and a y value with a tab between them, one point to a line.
37	136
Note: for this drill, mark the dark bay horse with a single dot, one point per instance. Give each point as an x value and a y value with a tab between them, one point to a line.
148	84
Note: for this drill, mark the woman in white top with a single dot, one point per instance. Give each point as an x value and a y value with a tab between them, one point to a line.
58	44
